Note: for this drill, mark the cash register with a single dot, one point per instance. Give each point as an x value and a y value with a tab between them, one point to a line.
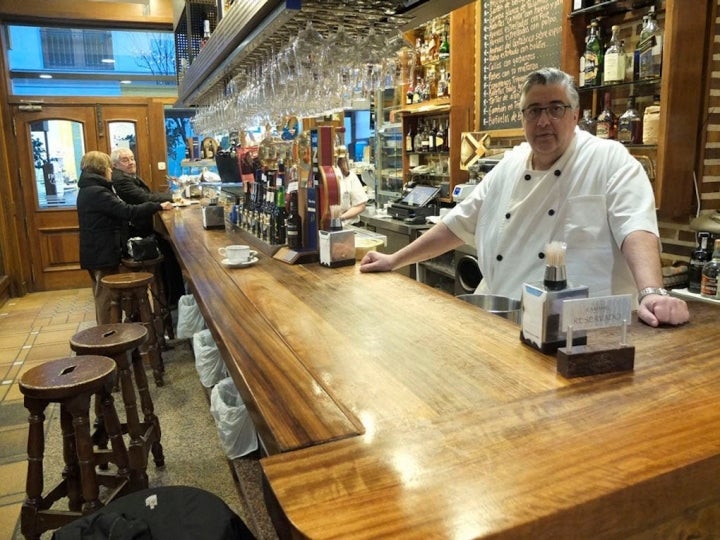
416	205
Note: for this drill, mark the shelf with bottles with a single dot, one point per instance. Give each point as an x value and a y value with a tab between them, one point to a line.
427	74
197	20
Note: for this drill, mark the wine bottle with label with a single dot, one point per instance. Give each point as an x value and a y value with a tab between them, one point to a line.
711	274
594	57
614	68
606	121
699	257
293	224
630	126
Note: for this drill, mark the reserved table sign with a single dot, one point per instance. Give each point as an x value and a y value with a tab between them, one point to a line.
594	314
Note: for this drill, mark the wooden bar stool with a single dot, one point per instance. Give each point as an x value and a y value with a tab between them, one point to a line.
71	382
129	293
161	312
121	342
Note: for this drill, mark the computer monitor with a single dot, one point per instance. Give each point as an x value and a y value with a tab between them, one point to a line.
420	195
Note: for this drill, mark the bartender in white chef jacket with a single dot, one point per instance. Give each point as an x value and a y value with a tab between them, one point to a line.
563	184
353	197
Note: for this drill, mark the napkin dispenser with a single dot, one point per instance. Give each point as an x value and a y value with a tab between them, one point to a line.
337	248
213	217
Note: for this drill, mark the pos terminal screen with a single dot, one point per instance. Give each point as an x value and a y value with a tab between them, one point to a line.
420	195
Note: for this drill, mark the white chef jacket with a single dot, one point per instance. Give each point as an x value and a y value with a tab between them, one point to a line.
352	192
591	198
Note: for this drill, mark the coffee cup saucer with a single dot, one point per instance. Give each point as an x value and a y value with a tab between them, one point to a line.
242	264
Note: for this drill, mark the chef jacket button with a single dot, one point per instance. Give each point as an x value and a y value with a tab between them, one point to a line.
551	212
557	172
499	257
541	255
507	216
528	177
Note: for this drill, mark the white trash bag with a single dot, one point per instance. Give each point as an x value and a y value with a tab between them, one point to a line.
208	362
236	430
190	320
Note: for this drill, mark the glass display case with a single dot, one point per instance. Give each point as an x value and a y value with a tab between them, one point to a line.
388	163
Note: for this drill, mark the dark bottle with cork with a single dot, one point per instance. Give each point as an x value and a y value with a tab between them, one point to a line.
293	223
698	259
711	274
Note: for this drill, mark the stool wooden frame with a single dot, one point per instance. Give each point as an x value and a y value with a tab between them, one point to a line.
121	342
71	382
129	293
161	312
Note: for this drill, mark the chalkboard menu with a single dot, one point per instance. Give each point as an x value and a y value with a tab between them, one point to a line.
518	36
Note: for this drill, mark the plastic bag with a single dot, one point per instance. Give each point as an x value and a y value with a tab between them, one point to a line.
236	430
190	320
208	362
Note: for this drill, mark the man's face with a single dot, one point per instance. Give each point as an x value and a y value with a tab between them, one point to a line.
126	163
548	136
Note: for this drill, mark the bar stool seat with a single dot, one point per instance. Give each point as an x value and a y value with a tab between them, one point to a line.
121	342
129	293
161	312
71	382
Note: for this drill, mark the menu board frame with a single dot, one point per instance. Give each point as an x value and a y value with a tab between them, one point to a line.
517	37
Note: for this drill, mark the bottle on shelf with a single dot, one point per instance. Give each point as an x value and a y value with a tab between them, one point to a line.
418	139
409	140
442	90
431	137
587	122
630	125
280	216
594	56
614	59
606	121
206	33
293	224
440	138
581	68
651	122
711	274
698	259
444	50
650	48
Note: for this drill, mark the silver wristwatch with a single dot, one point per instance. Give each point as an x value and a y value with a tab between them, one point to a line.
651	290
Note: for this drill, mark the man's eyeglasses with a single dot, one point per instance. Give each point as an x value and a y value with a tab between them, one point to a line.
556	111
127	159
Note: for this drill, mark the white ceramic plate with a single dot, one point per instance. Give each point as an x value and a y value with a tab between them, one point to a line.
241	264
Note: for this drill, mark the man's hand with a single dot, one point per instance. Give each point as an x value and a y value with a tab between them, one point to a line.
167	205
374	261
656	309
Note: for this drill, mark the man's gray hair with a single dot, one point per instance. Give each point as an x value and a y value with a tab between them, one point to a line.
117	154
551	76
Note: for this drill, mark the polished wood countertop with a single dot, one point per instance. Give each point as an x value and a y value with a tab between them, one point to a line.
390	409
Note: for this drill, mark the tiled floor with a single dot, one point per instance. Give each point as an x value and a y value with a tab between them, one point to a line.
33	329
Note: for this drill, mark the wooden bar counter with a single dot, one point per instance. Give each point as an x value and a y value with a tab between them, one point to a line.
392	410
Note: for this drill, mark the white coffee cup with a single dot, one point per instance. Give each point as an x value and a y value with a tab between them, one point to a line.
236	253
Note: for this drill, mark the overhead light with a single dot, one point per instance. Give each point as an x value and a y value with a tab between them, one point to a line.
125	82
108	60
45	76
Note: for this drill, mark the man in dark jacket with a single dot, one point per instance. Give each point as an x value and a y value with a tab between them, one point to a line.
103	219
131	189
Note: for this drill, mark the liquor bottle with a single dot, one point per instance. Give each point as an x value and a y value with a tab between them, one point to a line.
444	50
440	138
630	128
594	57
587	122
431	137
409	140
424	138
614	68
650	48
417	140
206	33
418	91
293	224
280	216
606	121
699	257
409	95
711	274
581	69
442	84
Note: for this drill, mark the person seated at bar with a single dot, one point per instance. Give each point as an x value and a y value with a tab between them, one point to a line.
133	190
352	194
562	184
103	220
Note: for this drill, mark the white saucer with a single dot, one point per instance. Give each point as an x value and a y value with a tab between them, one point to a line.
240	264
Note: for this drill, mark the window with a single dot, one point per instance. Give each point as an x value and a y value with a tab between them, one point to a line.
56	61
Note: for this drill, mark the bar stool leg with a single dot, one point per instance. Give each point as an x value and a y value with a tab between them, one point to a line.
79	408
148	408
34	482
150	346
114	432
71	471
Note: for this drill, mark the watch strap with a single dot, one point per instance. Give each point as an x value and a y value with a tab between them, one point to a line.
647	291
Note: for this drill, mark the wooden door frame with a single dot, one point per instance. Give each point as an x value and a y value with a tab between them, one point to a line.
16	237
